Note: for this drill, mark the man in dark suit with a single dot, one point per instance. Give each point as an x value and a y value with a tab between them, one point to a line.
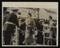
10	24
39	34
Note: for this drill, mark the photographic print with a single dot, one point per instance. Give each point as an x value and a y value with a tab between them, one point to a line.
29	24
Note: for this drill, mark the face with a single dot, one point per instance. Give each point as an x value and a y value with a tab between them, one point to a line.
50	18
18	15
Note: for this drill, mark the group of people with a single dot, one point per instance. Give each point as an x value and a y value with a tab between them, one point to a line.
31	31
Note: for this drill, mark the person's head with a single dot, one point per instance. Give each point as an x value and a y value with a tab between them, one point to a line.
15	11
18	15
50	17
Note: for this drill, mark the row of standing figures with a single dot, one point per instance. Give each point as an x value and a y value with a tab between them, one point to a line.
29	33
30	36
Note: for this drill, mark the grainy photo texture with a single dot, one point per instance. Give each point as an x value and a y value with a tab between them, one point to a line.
29	26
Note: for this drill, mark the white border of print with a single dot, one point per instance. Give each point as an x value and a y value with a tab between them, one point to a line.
30	4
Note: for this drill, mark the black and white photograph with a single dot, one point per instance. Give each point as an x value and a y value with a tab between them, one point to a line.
29	24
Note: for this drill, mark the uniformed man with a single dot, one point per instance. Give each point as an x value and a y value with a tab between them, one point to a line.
10	24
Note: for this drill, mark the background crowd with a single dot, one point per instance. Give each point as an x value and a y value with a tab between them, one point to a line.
29	31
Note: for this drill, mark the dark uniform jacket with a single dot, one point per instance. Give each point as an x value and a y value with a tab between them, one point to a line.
13	19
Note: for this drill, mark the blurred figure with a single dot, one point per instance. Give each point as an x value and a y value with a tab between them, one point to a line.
22	31
29	40
52	26
46	34
54	32
5	34
9	27
39	26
